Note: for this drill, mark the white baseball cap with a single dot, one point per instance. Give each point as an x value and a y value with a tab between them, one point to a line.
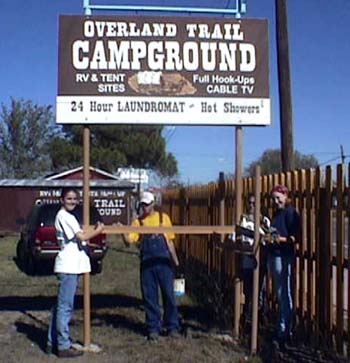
147	198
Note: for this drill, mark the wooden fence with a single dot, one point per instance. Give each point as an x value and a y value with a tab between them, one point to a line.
321	282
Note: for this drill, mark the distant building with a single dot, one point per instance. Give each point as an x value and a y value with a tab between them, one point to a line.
111	195
135	175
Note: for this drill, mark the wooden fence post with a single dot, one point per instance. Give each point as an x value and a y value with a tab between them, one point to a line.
340	260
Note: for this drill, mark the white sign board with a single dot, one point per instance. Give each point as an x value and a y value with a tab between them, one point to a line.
133	175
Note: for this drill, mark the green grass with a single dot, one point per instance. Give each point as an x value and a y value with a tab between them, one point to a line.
117	316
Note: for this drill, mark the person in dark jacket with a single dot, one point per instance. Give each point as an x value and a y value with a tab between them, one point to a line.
249	263
281	254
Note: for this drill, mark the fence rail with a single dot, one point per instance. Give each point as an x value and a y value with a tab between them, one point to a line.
321	282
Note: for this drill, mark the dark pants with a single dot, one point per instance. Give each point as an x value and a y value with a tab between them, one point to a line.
248	267
280	267
162	275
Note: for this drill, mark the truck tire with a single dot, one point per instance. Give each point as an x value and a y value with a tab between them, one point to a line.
25	259
96	267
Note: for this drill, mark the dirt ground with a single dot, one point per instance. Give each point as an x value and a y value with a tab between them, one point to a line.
117	320
117	317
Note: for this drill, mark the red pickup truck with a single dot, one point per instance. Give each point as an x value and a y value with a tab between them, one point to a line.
38	245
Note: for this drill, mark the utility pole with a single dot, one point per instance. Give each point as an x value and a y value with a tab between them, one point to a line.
342	154
285	99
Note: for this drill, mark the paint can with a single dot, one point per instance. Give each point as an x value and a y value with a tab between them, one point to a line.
179	286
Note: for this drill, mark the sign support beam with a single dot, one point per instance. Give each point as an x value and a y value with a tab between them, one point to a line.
86	222
240	8
192	229
256	284
238	213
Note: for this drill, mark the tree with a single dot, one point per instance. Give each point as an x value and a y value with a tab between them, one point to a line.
115	146
270	162
26	130
167	177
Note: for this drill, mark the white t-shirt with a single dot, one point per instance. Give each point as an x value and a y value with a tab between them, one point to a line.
70	259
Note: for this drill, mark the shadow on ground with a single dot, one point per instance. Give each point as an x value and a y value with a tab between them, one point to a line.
37	303
299	350
37	335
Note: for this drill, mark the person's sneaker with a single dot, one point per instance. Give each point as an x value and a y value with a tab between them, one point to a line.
69	353
48	349
153	337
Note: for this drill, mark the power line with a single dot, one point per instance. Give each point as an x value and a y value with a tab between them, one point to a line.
334	159
170	131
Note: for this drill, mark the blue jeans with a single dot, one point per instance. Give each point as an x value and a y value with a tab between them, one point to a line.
61	313
153	275
280	267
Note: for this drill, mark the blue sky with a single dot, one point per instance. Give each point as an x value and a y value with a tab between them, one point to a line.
319	56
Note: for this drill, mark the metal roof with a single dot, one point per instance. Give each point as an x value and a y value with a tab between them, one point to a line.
72	171
40	183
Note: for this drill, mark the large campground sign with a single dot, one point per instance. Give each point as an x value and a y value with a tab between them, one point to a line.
163	70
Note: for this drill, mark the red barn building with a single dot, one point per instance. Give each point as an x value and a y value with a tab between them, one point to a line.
109	194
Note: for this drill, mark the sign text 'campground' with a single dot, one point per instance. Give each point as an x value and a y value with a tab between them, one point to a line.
162	70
